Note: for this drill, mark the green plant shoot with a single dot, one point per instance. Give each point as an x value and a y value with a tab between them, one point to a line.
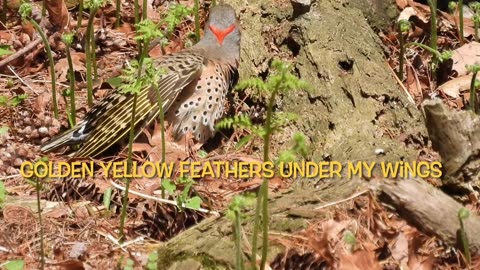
25	11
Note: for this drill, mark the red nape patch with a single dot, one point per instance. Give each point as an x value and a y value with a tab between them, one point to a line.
220	34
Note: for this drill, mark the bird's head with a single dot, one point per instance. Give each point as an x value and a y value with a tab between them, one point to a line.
222	31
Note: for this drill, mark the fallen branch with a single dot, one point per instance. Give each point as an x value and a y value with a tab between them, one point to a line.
429	209
21	52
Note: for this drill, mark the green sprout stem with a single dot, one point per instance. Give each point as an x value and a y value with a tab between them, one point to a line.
262	199
460	18
144	10
52	65
136	11
89	56
123	215
80	14
131	137
4	12
162	131
71	75
44	8
93	50
161	119
238	246
197	20
401	38
266	149
462	215
433	31
118	4
38	187
476	25
473	93
436	54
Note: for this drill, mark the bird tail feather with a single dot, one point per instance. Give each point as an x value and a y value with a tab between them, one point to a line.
63	139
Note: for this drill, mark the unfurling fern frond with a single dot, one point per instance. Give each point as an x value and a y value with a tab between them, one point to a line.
242	121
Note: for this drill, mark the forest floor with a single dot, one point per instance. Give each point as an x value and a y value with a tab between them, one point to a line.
80	232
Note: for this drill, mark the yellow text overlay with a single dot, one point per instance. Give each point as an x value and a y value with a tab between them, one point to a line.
238	169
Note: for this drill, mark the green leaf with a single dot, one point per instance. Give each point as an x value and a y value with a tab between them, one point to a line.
129	265
2	194
286	156
147	30
202	154
168	185
25	10
194	203
463	213
175	15
152	266
184	195
17	100
3	101
3	130
93	4
67	38
349	238
185	180
15	265
153	257
152	261
404	26
4	51
107	198
243	141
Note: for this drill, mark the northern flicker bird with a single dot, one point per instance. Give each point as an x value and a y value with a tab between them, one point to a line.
193	92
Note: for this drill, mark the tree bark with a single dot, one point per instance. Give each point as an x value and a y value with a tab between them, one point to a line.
355	108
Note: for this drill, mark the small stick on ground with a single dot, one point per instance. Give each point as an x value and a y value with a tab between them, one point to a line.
21	52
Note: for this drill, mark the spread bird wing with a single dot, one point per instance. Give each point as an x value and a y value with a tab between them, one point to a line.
109	121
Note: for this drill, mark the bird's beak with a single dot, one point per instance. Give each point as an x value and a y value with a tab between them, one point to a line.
220	34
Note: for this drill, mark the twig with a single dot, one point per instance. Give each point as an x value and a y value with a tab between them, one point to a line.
148	197
410	98
138	239
34	80
112	239
21	80
341	201
9	177
21	52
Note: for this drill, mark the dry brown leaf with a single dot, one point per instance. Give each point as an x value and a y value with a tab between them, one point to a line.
409	12
453	87
359	260
452	21
126	28
400	249
153	148
416	264
468	54
156	51
58	13
71	265
423	11
321	247
41	102
331	234
152	14
401	4
61	67
412	84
